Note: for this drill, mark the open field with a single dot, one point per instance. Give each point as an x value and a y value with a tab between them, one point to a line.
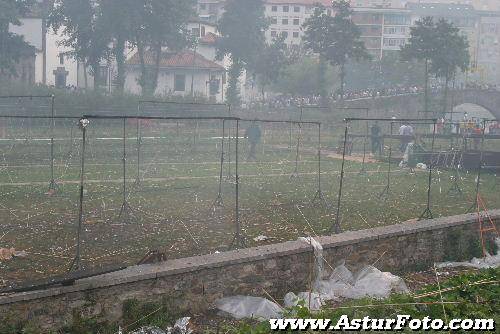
172	205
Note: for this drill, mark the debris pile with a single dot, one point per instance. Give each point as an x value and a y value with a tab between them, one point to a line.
9	253
490	261
341	283
181	327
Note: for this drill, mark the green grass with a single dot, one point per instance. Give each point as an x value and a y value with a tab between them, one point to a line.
173	205
469	296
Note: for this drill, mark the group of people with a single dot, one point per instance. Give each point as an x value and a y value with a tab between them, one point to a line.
406	133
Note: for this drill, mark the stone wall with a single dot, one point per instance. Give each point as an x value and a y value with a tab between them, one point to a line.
193	284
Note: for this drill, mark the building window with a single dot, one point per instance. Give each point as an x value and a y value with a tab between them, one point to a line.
284	34
195	32
103	76
61	58
274	20
203	32
60	76
180	83
273	33
286	9
284	21
274	8
296	9
295	34
214	85
203	6
296	22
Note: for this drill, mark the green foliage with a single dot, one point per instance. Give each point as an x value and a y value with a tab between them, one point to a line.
271	63
308	76
242	30
441	46
138	314
422	42
98	30
79	102
82	24
475	294
336	39
12	46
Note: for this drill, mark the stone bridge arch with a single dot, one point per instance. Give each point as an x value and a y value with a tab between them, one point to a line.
409	105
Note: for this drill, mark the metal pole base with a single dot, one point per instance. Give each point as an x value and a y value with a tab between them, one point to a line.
126	212
319	197
336	228
427	214
218	203
238	242
53	187
75	264
384	194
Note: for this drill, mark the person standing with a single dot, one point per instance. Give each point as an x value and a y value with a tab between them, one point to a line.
376	139
254	134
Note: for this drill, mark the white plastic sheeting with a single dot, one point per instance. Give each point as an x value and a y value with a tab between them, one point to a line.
240	307
181	327
318	259
490	261
341	284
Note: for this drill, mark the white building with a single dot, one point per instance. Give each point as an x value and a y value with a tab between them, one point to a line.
185	73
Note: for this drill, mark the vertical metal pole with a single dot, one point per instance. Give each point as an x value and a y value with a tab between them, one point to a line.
363	166
52	184
388	184
428	213
297	152
319	161
124	161
80	207
218	201
479	171
229	146
139	141
336	227
237	212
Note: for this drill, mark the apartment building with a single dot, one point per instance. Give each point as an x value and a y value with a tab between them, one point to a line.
210	10
383	30
288	16
488	54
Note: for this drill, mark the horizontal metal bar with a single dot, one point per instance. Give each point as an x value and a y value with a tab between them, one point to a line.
393	120
162	117
39	117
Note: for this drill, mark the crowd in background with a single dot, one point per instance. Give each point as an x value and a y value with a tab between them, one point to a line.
284	101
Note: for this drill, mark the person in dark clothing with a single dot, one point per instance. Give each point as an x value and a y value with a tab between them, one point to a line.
376	139
254	135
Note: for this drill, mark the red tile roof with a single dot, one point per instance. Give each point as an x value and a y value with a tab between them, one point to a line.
182	59
326	3
209	38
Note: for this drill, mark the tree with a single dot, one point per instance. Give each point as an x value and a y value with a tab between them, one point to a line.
166	26
422	46
451	54
119	16
306	76
272	61
336	39
85	32
242	28
12	46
